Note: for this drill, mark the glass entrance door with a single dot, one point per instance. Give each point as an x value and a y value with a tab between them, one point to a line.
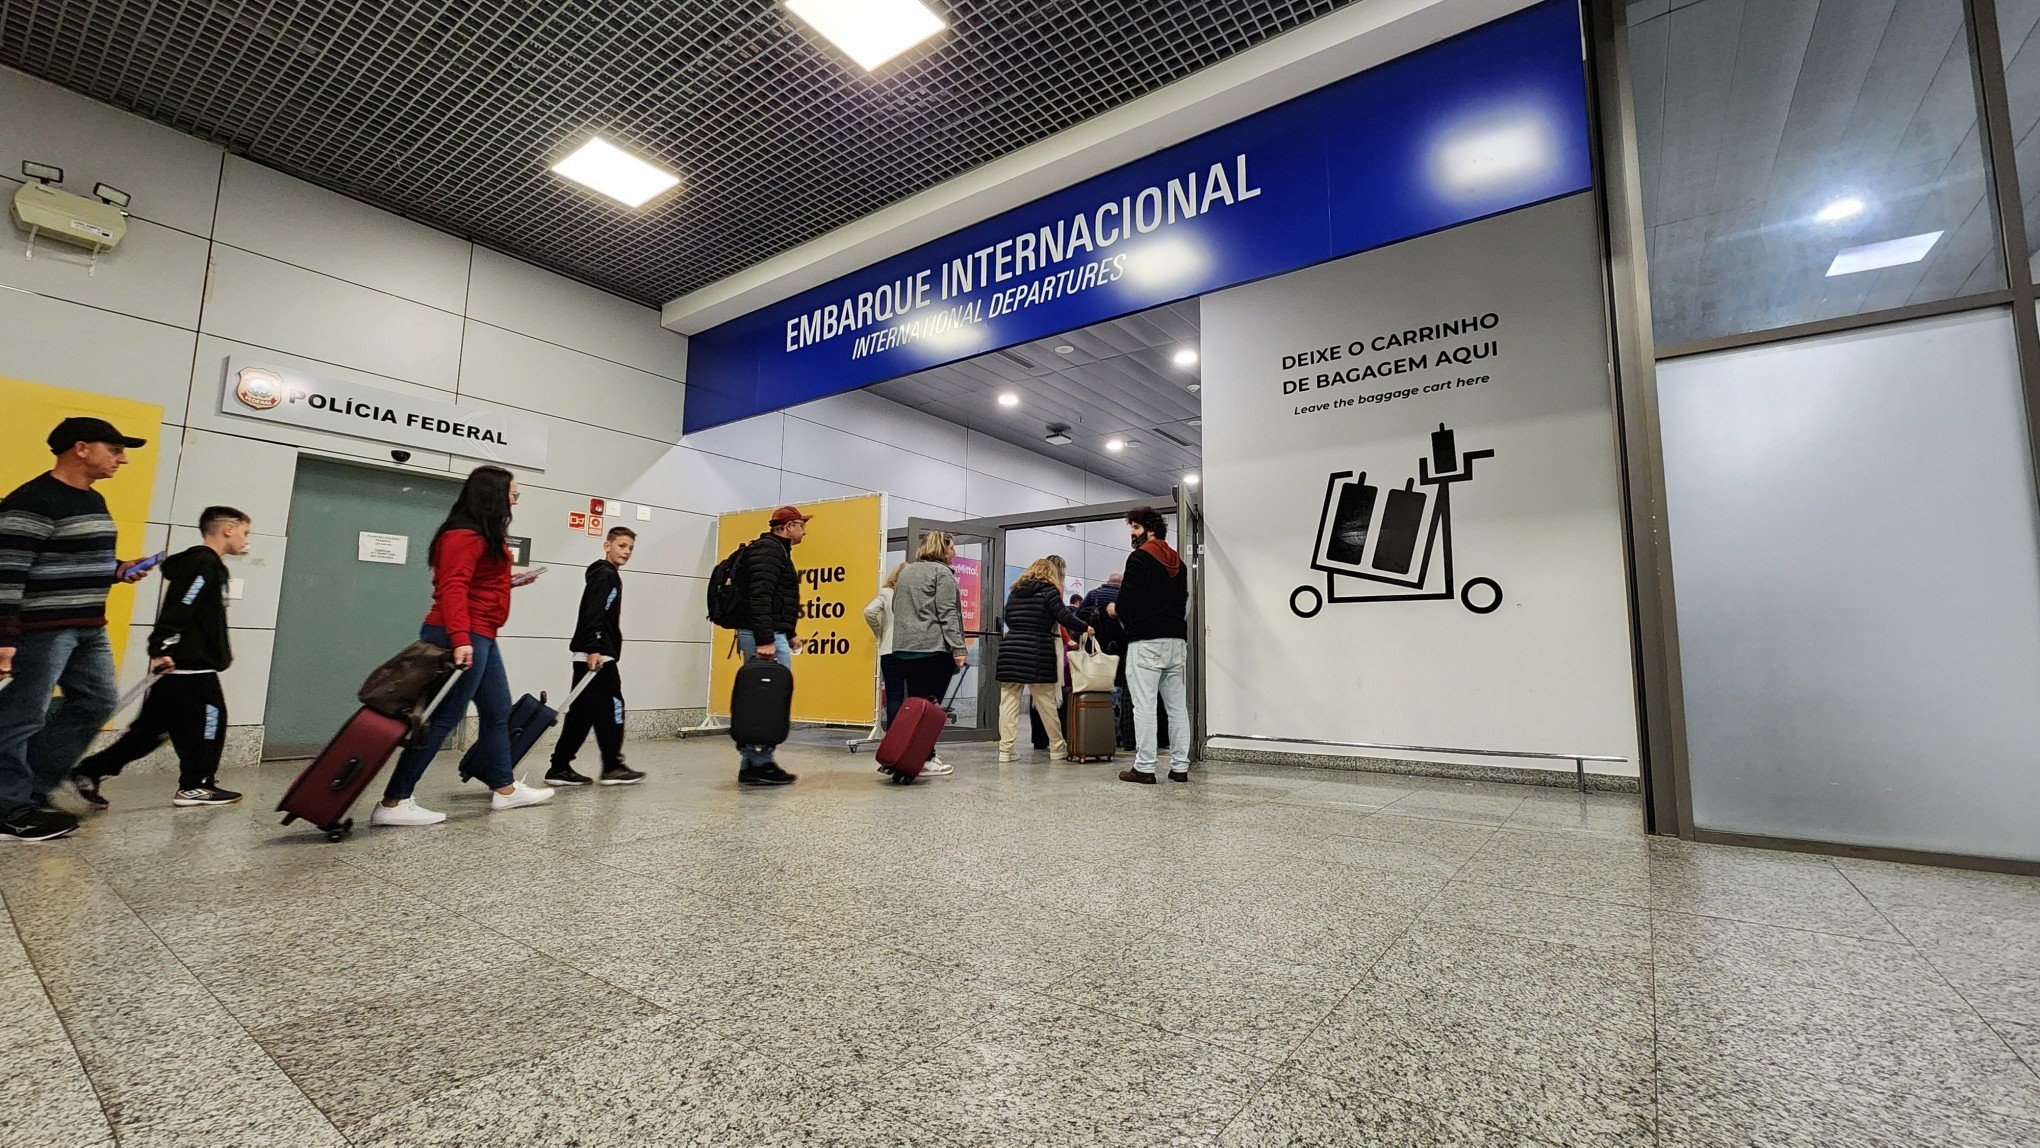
979	563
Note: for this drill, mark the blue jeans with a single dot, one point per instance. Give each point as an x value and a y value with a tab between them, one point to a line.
782	652
485	684
42	739
1156	667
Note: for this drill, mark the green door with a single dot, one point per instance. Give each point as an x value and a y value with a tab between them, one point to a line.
341	615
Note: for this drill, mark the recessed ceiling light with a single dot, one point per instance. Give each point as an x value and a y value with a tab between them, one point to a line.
869	31
1186	358
1197	422
1847	207
1115	445
1890	253
616	173
1064	349
1009	399
1195	387
1059	435
1191	479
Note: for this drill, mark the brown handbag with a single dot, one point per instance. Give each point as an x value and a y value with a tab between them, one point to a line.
404	686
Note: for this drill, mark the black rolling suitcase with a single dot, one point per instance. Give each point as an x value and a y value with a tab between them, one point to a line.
761	703
529	719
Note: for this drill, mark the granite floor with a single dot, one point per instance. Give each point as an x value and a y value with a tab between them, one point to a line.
1026	954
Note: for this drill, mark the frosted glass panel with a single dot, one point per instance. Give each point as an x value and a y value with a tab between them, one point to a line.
1854	546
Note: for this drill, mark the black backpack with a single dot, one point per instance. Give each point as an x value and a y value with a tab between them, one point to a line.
728	601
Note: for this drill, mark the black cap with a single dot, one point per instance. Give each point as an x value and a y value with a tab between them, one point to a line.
75	430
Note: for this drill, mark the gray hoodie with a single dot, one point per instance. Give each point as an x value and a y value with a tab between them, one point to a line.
927	610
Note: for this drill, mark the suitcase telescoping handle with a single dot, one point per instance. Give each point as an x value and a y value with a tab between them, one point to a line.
955	691
444	690
586	679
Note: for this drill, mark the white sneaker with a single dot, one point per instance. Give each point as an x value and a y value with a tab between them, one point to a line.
519	796
407	812
937	767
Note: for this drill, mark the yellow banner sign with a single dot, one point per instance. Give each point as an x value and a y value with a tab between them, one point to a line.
33	410
835	664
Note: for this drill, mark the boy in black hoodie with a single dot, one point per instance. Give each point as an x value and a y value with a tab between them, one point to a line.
598	638
189	649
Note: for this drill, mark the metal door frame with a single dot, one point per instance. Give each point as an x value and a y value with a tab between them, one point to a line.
989	611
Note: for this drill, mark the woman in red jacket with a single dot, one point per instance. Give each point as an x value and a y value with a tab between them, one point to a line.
470	559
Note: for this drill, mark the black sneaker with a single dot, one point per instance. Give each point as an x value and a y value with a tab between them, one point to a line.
87	787
1179	775
1137	777
205	795
42	825
767	774
560	775
622	775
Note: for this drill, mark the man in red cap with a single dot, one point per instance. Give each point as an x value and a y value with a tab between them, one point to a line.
57	562
772	591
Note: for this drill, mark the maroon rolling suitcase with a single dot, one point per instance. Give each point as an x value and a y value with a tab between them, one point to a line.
331	784
910	739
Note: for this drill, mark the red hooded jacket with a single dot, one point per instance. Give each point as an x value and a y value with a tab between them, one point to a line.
470	588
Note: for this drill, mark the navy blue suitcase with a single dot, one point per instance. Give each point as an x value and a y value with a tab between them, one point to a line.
529	719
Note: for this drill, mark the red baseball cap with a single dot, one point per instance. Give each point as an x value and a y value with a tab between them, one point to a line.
786	514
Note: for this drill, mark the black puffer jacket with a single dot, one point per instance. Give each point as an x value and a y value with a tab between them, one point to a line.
773	587
1028	651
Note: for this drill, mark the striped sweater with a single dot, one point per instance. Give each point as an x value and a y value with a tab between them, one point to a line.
56	558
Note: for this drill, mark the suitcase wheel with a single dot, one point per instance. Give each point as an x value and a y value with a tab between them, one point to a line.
339	832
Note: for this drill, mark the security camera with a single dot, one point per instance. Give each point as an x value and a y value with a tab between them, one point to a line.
401	455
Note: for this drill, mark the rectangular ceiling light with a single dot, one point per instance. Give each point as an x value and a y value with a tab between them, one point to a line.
1890	253
616	173
870	31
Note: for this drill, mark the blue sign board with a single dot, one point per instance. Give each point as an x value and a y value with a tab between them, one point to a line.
1489	121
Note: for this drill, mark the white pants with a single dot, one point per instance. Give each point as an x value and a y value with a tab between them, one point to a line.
1044	693
1155	667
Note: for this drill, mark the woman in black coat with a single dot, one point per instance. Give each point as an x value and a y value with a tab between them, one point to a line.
1030	656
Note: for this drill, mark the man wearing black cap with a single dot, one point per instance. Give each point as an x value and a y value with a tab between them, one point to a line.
56	563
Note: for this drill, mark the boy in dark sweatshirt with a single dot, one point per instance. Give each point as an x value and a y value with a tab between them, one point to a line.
598	638
189	649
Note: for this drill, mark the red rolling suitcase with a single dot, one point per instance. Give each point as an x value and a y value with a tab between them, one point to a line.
330	785
910	739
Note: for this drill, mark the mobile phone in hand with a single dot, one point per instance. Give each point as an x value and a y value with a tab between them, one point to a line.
143	566
529	576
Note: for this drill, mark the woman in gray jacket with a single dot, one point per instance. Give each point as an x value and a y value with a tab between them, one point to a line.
927	613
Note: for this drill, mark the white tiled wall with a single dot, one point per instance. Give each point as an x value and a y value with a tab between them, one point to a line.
227	258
